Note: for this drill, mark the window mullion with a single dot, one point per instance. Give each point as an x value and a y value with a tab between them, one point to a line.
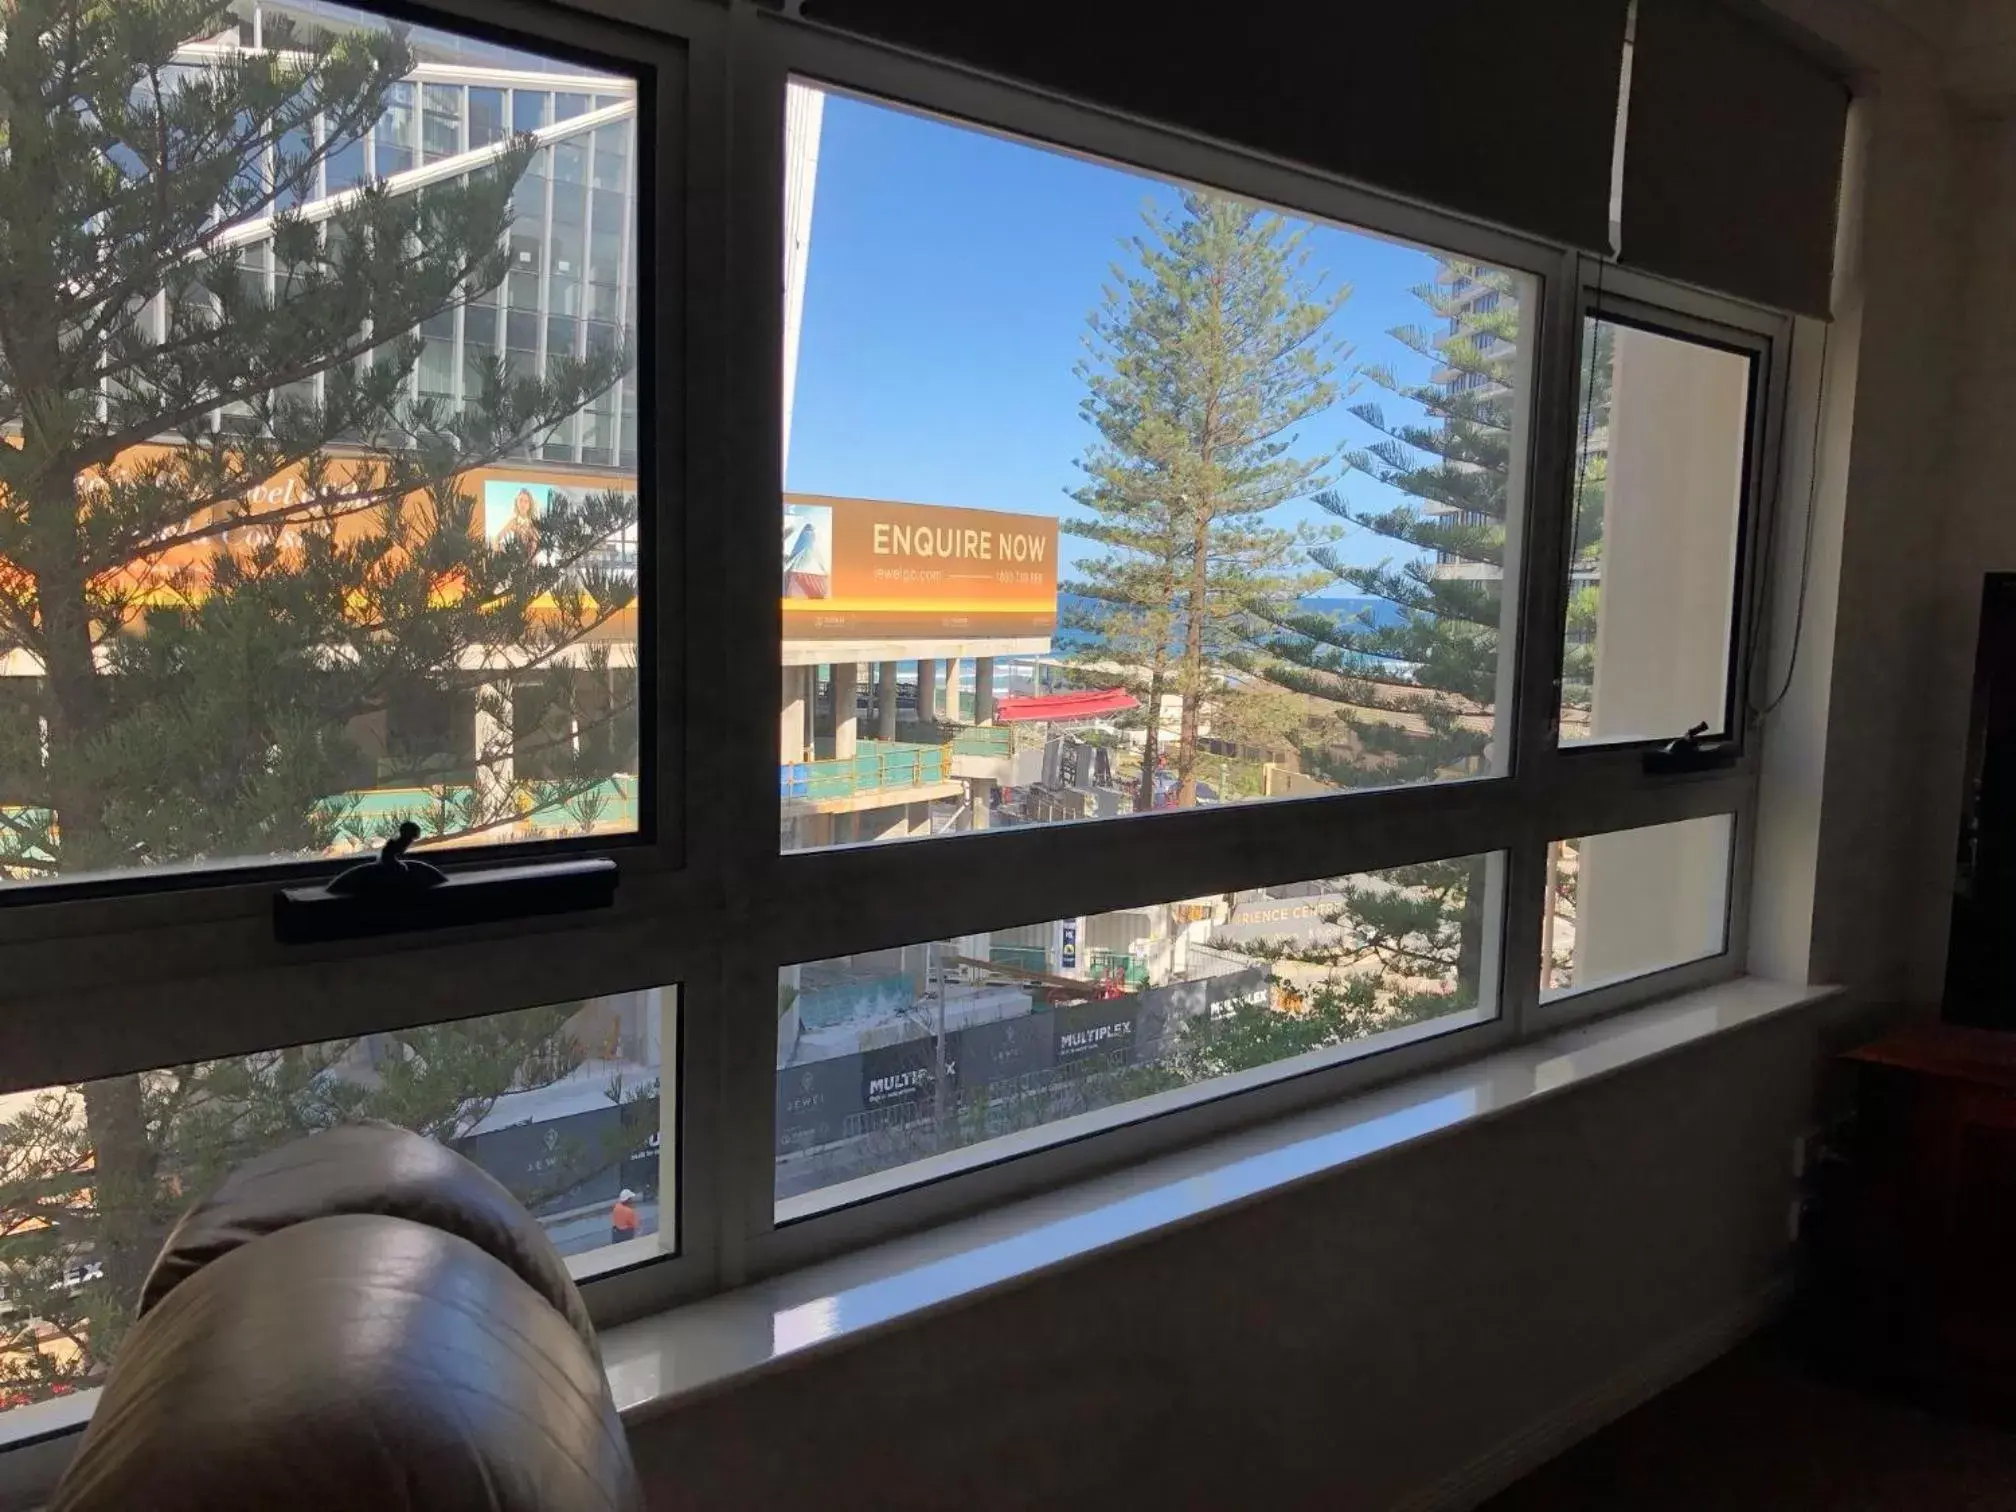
1549	516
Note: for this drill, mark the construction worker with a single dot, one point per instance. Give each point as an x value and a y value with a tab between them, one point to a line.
623	1217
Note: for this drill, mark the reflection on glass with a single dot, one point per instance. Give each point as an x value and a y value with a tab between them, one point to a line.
970	1045
996	611
1658	515
560	1104
1631	901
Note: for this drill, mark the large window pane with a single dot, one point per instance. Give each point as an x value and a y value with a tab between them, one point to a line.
1658	522
999	607
561	1104
195	689
897	1065
1633	901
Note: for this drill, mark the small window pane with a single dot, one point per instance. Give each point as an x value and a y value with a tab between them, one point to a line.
1628	902
486	116
1326	616
1658	520
561	1104
530	109
442	122
566	106
392	139
612	157
898	1065
343	168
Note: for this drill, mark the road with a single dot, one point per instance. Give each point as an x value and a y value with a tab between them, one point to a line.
578	1233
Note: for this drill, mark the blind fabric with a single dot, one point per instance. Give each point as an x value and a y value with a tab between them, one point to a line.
1732	157
1501	111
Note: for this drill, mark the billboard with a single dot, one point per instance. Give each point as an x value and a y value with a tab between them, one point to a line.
286	508
869	569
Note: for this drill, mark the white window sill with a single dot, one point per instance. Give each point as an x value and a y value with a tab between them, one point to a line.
656	1361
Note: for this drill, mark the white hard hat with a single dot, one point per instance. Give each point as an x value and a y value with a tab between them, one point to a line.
626	1195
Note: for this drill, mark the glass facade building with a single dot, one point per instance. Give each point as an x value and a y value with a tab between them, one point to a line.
571	290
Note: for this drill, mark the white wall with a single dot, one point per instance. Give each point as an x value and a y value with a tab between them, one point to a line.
1862	762
1409	1332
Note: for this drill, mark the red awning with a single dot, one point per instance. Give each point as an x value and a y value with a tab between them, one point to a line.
1082	703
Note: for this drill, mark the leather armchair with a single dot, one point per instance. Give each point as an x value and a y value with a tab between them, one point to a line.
361	1319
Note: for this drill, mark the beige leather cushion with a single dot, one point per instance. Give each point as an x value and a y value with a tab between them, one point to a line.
357	1361
366	1168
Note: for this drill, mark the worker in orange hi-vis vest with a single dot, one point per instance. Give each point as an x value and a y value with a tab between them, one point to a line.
623	1217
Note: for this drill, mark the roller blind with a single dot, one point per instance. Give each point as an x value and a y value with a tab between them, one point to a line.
1494	109
1732	156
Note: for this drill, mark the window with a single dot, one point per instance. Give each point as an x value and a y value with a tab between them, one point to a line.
442	122
1663	429
392	137
561	1104
897	1065
486	116
161	736
332	584
1049	638
530	109
1631	902
515	591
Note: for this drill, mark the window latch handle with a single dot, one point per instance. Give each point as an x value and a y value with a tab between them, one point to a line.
1690	753
392	872
395	894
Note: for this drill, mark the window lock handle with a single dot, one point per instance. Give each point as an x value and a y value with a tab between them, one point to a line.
1690	753
392	872
395	894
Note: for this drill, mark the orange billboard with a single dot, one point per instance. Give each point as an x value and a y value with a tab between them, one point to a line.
871	569
509	498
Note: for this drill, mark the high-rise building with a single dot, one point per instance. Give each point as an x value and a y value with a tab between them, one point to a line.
572	285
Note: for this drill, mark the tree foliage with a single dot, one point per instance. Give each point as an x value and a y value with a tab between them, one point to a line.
1206	354
1417	683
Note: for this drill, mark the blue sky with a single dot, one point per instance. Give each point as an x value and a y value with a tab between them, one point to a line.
950	275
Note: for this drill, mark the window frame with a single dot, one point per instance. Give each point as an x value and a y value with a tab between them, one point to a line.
866	896
129	972
659	64
1624	297
166	968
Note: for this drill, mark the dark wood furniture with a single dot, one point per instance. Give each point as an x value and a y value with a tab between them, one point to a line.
1926	1263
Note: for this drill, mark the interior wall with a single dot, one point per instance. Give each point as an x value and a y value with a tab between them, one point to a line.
1976	517
1894	719
1412	1331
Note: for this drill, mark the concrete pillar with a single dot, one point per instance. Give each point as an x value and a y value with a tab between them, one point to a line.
845	722
920	818
494	739
927	688
792	733
983	689
976	809
885	703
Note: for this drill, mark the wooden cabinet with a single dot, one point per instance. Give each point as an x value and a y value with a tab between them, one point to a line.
1926	1263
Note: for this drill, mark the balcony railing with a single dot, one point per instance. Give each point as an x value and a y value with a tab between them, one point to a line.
889	766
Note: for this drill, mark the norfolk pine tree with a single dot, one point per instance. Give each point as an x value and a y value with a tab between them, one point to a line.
1204	357
203	655
1418	690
